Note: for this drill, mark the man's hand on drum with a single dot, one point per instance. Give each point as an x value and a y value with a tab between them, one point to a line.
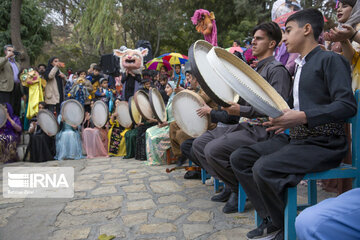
234	109
204	110
289	119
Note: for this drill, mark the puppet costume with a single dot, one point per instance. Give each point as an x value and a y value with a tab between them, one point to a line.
30	78
206	24
80	90
131	64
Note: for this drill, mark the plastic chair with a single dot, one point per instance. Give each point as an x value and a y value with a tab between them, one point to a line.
241	199
343	171
217	183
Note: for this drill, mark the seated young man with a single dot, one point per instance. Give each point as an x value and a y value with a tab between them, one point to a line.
213	148
322	100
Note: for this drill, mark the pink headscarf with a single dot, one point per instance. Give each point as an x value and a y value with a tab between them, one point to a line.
211	38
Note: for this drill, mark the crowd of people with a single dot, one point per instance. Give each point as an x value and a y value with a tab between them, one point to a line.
241	145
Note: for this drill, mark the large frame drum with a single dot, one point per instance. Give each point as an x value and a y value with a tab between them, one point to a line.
157	105
123	114
47	121
72	112
142	103
99	114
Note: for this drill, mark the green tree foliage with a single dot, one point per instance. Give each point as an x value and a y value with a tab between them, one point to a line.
34	32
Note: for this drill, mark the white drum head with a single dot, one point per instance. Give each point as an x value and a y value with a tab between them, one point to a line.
3	117
184	107
72	112
247	82
99	114
142	102
134	112
47	122
123	117
212	83
157	105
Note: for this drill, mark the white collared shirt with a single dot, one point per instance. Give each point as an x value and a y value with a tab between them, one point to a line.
300	62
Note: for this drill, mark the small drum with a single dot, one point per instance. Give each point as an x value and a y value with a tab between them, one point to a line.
123	113
3	117
72	112
47	121
247	82
209	79
157	105
99	114
142	102
184	106
134	112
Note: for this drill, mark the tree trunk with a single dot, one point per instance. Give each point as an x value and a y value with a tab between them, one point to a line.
15	33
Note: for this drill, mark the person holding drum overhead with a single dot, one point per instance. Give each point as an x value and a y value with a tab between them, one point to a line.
158	137
213	148
178	136
322	100
54	90
9	135
68	141
41	146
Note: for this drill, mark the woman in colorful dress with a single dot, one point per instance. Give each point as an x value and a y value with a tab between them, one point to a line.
157	137
9	136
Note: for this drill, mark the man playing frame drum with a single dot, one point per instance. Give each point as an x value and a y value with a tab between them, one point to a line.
178	136
213	148
322	99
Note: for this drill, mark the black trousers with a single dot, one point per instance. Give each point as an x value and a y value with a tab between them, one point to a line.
267	168
213	149
186	150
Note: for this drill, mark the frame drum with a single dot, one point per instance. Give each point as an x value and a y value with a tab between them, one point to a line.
3	117
210	81
47	122
142	103
184	106
99	114
247	82
134	112
72	112
157	105
123	114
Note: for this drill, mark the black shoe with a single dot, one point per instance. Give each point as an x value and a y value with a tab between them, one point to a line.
181	160
231	205
223	196
280	235
266	231
192	175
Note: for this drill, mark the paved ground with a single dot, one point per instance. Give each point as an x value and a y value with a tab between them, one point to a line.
127	199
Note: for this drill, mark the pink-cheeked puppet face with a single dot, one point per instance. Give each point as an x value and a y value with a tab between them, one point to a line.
131	59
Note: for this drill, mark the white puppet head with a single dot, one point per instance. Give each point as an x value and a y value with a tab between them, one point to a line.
131	59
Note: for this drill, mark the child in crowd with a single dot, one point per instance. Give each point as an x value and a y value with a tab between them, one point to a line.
81	89
94	78
105	94
163	81
178	74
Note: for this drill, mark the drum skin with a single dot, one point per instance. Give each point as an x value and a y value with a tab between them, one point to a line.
3	117
134	112
247	82
123	114
47	121
99	114
210	81
72	112
157	105
142	103
184	107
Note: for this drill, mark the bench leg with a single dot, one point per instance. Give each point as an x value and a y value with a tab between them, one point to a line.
258	219
241	199
290	214
203	175
312	192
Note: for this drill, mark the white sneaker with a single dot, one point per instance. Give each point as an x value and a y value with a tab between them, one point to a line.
210	181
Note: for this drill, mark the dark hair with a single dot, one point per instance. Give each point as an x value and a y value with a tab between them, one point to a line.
81	71
272	30
41	64
163	77
177	65
348	2
97	68
237	42
309	16
44	104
